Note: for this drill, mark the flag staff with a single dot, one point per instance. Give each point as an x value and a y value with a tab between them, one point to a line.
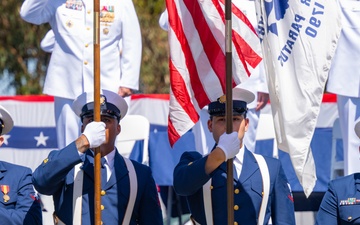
228	110
97	118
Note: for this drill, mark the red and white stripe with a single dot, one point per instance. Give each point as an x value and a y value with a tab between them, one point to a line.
197	57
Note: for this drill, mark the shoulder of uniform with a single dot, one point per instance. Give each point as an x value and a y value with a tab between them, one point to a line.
11	166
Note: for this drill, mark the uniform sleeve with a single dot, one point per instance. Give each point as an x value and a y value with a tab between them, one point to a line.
27	208
37	11
164	20
48	42
256	83
327	213
150	209
263	87
131	47
49	177
282	199
189	174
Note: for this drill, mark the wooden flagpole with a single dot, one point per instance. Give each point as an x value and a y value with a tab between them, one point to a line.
228	111
97	156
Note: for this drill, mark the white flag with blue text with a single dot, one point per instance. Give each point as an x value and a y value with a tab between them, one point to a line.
299	40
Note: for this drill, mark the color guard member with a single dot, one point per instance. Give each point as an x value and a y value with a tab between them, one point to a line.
128	195
261	189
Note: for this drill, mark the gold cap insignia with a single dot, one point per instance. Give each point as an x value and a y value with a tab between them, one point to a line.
222	99
102	100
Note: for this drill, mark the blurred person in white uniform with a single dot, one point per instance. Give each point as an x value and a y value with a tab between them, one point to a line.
344	81
71	68
47	45
257	84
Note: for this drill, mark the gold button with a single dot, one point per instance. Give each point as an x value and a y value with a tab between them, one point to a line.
102	207
89	11
211	187
69	23
86	45
235	223
236	207
103	192
88	28
190	163
85	62
106	31
262	193
46	160
236	191
349	218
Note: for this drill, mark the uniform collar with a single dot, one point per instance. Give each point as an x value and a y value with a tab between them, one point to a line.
119	167
120	171
110	159
250	164
240	156
2	170
2	167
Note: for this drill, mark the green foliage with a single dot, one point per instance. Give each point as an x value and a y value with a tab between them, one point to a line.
154	70
20	43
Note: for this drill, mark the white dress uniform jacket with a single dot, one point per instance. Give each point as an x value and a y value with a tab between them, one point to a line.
257	81
344	80
344	76
71	67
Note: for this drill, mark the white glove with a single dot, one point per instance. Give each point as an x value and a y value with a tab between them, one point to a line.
229	144
95	133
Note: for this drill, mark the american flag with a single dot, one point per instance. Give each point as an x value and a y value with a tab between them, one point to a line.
197	57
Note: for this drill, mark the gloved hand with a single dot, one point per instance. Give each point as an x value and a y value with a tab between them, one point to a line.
95	133
229	144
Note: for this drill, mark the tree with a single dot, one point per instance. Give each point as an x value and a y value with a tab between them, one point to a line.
154	70
20	47
19	44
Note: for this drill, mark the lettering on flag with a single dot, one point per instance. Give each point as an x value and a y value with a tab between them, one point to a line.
298	40
197	58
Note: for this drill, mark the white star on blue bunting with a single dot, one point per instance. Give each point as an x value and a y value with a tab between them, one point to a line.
41	139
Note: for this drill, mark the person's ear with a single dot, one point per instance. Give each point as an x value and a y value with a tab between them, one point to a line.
118	128
246	124
209	124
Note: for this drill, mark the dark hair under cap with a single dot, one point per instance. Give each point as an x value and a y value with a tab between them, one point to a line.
217	108
2	125
106	108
